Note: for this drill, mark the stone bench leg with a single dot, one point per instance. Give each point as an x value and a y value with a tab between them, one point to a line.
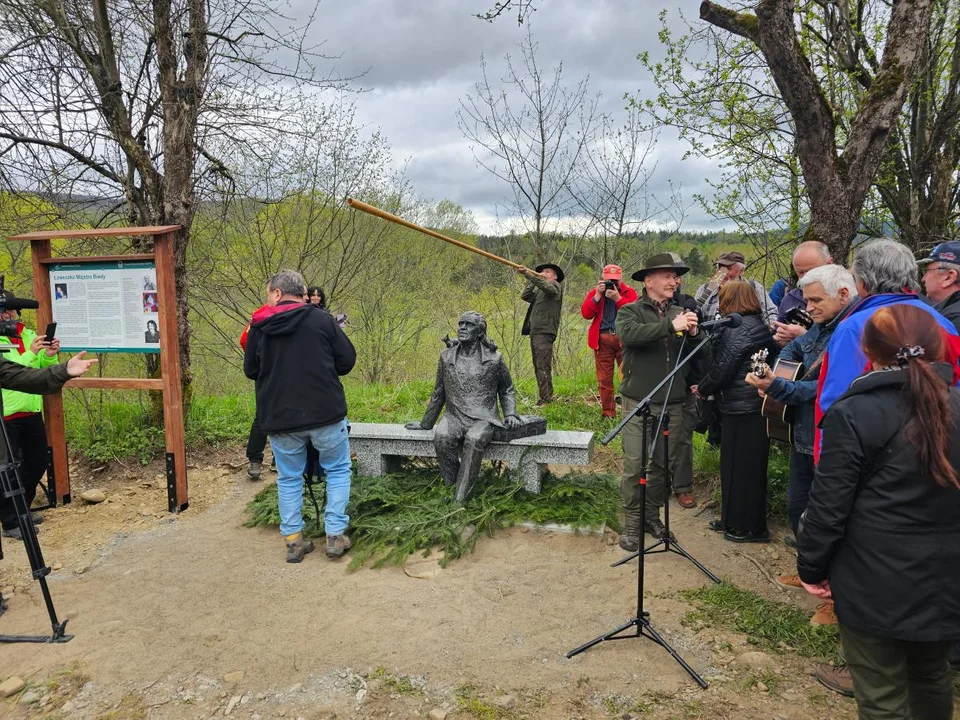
375	465
531	474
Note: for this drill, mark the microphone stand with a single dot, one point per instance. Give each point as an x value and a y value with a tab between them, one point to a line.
641	621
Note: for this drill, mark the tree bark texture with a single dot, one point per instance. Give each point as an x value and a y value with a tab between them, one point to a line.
837	182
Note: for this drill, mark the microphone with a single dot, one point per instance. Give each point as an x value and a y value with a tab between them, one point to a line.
732	320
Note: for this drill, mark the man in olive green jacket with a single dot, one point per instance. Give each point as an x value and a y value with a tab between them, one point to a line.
651	330
34	381
542	323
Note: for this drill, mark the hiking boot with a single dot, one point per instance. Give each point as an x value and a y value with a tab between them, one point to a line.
825	614
789	581
655	528
337	545
790	541
254	469
716	525
833	678
686	499
297	547
630	537
15	534
36	518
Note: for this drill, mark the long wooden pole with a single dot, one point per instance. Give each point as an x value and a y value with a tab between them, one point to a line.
371	210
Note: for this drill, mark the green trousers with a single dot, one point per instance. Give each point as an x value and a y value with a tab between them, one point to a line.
681	459
899	679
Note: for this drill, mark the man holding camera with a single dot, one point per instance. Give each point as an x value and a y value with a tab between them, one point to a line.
27	371
601	305
23	412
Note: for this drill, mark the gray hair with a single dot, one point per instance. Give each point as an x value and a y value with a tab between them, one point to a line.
820	247
885	266
288	282
833	278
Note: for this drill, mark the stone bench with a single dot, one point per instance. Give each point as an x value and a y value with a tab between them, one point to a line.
380	447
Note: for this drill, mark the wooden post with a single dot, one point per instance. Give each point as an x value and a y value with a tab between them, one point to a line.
170	373
58	473
169	383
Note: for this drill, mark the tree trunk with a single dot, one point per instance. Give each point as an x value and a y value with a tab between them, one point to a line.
837	183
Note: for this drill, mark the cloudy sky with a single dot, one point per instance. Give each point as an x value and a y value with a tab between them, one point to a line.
420	58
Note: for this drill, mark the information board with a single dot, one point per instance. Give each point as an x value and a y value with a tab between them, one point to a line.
106	306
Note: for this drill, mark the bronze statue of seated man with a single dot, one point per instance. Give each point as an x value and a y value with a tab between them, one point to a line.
471	377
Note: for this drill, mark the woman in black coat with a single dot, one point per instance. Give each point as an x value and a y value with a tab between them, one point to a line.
881	533
744	444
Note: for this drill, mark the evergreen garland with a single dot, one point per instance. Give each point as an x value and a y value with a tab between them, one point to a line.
396	515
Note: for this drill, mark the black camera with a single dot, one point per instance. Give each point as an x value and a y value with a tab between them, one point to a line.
9	301
609	284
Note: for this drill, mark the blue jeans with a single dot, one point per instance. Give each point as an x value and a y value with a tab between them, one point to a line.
290	451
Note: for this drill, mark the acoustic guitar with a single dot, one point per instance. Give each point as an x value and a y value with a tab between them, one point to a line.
779	416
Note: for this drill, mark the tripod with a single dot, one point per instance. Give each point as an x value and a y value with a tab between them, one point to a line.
11	487
668	543
641	621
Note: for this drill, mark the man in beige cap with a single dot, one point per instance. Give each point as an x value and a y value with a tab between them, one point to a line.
730	265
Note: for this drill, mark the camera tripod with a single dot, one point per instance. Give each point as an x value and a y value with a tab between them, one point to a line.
11	487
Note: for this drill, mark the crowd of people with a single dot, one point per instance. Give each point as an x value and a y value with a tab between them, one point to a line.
873	488
873	495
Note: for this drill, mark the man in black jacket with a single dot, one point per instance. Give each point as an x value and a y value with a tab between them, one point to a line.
296	354
941	279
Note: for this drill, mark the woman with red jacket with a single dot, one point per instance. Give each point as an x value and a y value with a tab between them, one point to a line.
601	305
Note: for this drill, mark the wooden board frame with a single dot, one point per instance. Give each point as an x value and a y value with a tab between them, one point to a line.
170	376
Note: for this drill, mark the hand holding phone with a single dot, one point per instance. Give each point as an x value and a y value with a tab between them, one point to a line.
50	333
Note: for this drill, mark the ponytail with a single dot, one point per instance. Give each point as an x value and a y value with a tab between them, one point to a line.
929	420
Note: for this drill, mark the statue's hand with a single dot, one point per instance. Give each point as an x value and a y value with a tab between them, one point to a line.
511	421
413	426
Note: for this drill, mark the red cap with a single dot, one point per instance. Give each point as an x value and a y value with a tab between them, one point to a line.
612	272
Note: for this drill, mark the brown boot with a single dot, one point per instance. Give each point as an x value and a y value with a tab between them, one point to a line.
687	499
833	678
630	537
789	581
297	547
825	614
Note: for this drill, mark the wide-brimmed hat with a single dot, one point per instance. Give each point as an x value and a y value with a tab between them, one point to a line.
555	268
661	261
612	272
730	258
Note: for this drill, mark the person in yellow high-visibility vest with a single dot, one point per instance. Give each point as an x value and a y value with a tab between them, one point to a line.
23	412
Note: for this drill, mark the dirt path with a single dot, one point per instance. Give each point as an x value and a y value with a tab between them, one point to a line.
194	616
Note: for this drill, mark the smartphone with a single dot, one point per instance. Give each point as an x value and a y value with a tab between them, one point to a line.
51	332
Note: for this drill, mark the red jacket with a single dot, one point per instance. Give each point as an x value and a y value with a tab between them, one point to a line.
594	310
246	330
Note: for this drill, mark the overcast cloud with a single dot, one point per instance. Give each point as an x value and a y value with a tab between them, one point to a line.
419	58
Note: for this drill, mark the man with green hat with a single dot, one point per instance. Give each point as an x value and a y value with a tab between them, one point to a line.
542	323
651	330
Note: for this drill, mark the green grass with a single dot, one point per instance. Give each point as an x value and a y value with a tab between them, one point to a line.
394	516
768	624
